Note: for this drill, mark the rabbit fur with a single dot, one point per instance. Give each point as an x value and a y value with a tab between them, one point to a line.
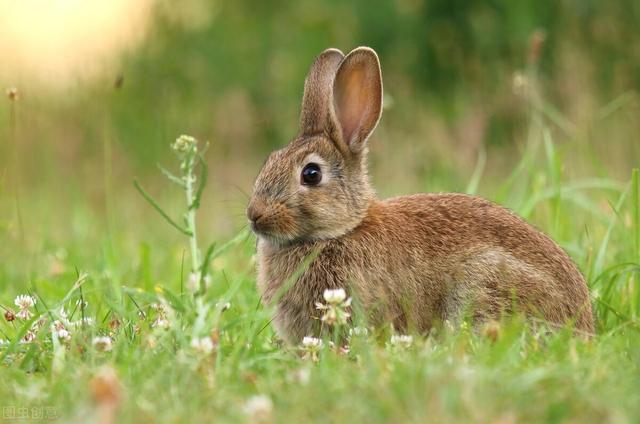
409	261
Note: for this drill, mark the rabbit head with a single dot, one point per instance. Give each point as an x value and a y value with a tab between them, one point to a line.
317	188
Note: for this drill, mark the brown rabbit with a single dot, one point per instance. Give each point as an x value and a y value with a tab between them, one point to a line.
412	260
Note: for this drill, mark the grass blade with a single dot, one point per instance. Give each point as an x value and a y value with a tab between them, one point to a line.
159	209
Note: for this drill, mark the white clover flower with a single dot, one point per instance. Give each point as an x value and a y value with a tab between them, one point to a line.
59	328
334	297
311	346
258	408
102	343
334	310
202	345
63	334
39	323
25	301
401	340
28	337
161	322
312	343
24	314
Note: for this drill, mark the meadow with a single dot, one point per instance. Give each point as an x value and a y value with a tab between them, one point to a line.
116	329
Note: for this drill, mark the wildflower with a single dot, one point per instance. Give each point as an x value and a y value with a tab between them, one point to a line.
335	309
161	322
28	337
258	408
58	327
102	343
184	144
202	345
24	314
63	334
24	302
9	315
339	349
312	343
39	323
334	297
401	340
311	346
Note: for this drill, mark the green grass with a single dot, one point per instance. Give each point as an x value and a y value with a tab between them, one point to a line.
507	373
128	260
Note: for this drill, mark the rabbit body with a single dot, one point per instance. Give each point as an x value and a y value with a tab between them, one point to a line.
410	261
426	258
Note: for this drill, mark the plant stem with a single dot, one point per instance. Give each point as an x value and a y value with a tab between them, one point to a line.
191	219
191	215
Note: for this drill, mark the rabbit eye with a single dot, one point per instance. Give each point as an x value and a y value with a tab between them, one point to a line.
311	174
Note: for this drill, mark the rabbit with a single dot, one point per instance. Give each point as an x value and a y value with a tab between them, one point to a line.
410	261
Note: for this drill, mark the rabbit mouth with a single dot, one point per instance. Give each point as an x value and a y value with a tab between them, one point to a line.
273	238
264	229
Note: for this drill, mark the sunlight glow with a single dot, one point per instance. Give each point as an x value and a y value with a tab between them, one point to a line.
54	43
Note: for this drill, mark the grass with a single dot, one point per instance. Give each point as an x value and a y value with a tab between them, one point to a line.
213	363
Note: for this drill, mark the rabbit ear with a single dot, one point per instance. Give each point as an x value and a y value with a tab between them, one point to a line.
356	99
317	91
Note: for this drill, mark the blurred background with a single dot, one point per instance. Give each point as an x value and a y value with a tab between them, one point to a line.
97	91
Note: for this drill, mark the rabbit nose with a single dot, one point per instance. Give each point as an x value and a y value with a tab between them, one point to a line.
255	211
